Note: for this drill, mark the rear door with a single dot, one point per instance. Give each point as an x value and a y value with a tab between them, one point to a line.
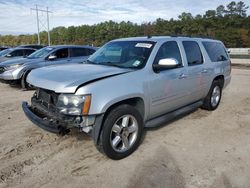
197	74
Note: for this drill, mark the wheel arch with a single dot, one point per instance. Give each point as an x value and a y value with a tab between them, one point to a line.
221	79
137	102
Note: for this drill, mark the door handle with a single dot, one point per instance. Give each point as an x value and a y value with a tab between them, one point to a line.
182	76
204	71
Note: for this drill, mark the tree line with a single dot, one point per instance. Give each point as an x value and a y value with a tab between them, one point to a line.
229	23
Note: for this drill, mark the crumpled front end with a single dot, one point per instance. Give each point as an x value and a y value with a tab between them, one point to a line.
44	113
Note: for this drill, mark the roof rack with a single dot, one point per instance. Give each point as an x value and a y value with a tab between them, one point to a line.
187	36
190	36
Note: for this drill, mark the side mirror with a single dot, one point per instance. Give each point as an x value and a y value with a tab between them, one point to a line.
52	57
168	63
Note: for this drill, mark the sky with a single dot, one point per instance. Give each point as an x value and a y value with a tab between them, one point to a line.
17	18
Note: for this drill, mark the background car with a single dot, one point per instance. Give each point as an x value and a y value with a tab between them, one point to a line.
15	53
3	48
35	46
16	71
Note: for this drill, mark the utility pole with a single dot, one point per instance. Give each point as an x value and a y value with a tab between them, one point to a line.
40	23
38	29
48	25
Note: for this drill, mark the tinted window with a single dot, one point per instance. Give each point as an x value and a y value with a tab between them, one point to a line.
28	52
216	51
169	50
193	53
62	53
16	53
90	51
77	52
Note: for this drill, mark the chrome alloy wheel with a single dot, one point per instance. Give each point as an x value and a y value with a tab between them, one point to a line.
216	94
124	133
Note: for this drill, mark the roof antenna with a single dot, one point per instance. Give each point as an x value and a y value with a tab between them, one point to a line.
149	36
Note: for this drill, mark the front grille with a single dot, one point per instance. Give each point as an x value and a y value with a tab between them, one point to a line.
2	70
46	97
43	104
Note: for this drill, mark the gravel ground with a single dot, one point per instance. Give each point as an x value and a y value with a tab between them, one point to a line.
202	149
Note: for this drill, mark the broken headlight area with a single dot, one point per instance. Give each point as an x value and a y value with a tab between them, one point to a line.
67	110
70	104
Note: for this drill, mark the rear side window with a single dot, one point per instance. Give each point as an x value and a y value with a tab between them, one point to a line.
77	52
16	53
193	53
28	52
169	50
215	51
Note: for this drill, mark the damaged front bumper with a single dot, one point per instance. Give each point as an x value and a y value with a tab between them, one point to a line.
61	124
42	122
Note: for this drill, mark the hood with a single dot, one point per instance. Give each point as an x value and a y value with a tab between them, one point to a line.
67	78
18	61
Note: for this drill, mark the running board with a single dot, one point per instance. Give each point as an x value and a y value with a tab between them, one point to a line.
158	121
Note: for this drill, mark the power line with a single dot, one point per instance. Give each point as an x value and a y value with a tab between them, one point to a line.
39	23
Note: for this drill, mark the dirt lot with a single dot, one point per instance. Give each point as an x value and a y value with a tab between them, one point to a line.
203	149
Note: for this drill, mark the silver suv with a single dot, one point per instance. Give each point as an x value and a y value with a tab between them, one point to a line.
127	85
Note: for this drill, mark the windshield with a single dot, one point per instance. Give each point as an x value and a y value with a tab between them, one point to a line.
123	54
40	53
4	52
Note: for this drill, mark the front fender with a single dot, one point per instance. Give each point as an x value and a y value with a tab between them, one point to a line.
17	74
107	92
120	99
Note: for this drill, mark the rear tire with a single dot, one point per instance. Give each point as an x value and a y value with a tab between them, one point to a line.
212	100
121	133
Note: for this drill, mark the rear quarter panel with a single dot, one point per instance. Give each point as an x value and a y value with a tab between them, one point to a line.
217	68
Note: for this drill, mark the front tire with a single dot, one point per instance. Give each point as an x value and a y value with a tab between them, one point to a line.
122	131
24	84
213	98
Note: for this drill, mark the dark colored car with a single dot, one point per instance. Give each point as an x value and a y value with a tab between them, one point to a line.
3	48
35	46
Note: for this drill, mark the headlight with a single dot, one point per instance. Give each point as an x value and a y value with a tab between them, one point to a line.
11	67
74	104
